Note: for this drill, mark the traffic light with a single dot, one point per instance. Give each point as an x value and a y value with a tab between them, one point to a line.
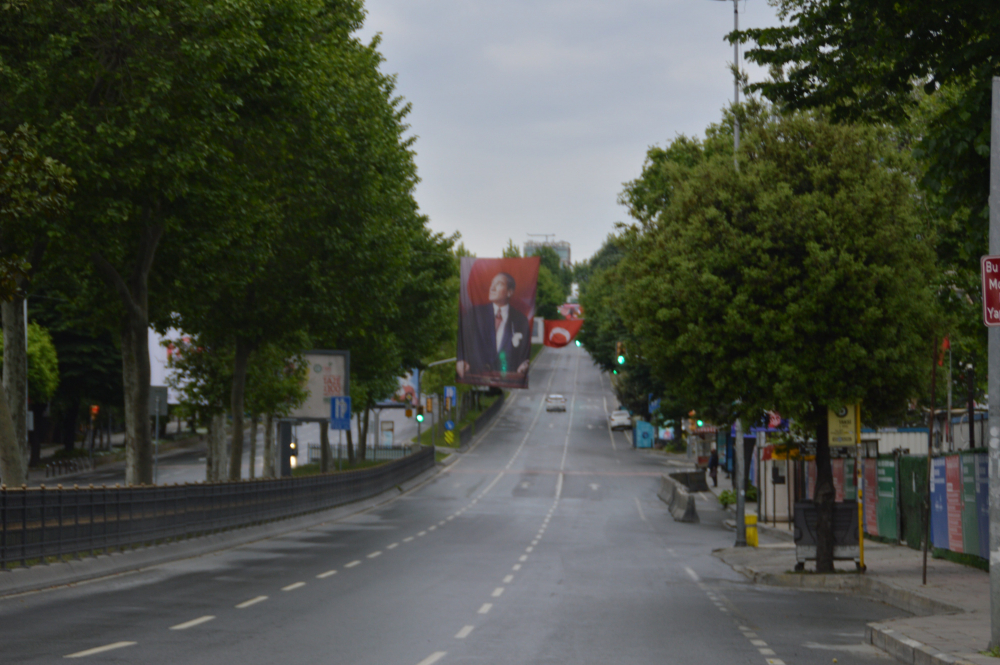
701	423
620	352
420	414
409	413
578	342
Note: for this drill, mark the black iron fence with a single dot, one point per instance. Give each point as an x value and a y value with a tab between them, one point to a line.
37	524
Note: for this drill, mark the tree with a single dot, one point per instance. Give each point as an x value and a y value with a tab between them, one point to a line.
798	283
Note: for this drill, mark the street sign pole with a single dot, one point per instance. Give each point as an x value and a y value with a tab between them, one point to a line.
741	525
994	381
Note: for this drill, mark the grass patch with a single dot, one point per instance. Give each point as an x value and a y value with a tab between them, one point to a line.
439	456
993	652
970	560
425	436
535	350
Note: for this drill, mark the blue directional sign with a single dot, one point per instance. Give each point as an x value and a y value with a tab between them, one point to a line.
450	395
340	413
449	425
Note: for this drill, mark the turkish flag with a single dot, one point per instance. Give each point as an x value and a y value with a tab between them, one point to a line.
561	333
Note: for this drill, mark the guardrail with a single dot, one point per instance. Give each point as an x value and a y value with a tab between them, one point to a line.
37	524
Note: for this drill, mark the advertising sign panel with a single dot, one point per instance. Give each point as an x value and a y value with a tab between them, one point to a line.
643	434
953	498
328	376
496	309
991	290
888	517
870	496
843	428
939	503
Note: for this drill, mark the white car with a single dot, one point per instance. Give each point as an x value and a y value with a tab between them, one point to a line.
620	420
555	403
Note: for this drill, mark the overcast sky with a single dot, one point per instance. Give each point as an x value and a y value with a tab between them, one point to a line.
531	115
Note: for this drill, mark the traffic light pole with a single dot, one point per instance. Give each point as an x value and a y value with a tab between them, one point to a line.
994	382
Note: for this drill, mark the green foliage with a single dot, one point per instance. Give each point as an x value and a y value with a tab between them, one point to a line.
43	364
800	281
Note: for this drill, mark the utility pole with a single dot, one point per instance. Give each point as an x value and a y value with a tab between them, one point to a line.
740	486
994	380
736	84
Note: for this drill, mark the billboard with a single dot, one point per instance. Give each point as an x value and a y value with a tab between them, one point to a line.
329	376
496	312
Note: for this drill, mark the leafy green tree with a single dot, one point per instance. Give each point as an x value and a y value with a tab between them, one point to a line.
799	282
43	364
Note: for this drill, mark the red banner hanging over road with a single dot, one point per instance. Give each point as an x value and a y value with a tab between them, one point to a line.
561	333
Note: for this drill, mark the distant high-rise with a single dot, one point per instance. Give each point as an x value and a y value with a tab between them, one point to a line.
561	248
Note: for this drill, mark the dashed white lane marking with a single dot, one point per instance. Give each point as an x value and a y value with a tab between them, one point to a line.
775	661
497	592
374	554
192	623
323	576
534	542
451	517
767	652
485	608
392	546
96	650
758	643
407	539
293	587
692	574
432	527
523	558
433	658
516	567
421	534
442	522
462	634
528	549
638	506
252	601
352	564
749	635
508	579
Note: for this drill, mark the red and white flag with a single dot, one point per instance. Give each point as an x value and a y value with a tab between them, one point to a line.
561	333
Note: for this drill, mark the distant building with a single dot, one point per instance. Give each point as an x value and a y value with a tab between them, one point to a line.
561	247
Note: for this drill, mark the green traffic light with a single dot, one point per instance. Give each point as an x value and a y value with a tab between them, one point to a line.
621	360
578	342
701	423
420	417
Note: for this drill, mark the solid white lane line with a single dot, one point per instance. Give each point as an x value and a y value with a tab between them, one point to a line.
352	564
293	587
516	567
524	557
96	650
485	608
374	554
407	539
559	482
462	634
323	576
433	658
497	592
693	575
392	546
253	601
192	623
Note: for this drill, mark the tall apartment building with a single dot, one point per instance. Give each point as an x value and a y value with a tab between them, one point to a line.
561	247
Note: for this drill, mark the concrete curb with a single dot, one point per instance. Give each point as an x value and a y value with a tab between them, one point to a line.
70	573
907	650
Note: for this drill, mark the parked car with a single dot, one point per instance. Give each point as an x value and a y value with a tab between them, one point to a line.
555	403
620	420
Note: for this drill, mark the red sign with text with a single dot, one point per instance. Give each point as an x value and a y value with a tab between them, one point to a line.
991	290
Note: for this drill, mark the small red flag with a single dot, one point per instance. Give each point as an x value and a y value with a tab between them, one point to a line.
561	333
945	345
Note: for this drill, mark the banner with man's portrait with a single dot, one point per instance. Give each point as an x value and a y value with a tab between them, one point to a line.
496	308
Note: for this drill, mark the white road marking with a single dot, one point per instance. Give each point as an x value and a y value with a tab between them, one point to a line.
639	507
749	635
442	522
407	539
374	554
516	567
432	527
534	542
451	517
508	579
692	574
96	650
352	564
524	557
293	587
497	592
192	623
323	576
775	661
421	534
462	634
594	486
485	608
528	549
433	658
253	601
758	643
392	546
559	481
767	652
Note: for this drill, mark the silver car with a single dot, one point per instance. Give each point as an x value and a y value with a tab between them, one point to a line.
620	420
555	403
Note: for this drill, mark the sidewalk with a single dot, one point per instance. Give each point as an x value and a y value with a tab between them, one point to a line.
952	611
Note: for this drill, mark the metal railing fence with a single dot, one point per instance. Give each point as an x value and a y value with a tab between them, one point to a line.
41	523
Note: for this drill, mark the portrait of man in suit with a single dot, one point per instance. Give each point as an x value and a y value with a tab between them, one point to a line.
494	338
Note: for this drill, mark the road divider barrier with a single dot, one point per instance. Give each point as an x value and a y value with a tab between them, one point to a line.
41	524
678	498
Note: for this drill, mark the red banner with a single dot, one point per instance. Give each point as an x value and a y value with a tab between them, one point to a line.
561	333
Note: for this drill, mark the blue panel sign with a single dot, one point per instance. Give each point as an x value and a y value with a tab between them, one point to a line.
939	504
449	425
643	434
450	395
340	413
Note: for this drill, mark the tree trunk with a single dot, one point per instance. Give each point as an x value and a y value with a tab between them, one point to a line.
12	470
350	446
243	350
269	471
134	296
825	495
217	460
363	436
15	372
254	420
324	447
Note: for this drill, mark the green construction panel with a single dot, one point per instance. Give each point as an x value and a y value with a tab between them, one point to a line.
888	526
912	493
970	516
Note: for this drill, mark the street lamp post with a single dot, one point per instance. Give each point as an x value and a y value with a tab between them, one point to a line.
736	82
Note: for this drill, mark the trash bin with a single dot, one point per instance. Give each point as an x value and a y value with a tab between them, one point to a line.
751	524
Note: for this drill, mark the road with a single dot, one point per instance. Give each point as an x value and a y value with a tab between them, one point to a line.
545	544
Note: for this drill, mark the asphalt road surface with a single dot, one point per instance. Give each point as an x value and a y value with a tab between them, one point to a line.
545	544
